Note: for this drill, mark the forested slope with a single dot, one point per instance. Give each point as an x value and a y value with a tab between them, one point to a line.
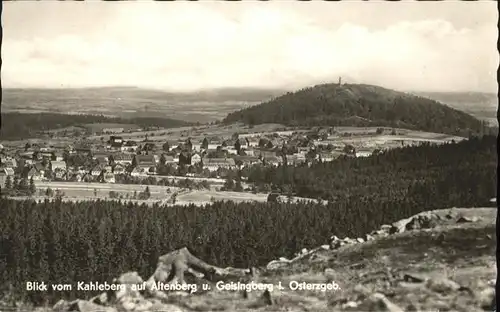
359	105
17	126
417	172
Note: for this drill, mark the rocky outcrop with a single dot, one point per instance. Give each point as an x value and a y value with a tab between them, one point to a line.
169	278
421	221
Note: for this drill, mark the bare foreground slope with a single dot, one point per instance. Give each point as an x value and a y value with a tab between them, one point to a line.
439	260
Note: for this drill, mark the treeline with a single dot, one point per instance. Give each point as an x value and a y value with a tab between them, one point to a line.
362	106
18	126
182	183
95	241
414	172
15	186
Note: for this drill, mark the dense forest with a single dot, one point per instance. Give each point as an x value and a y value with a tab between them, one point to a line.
359	105
95	241
18	126
460	167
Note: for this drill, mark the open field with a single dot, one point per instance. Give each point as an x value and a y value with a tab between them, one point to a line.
96	127
365	137
481	105
382	139
204	197
198	133
86	190
201	106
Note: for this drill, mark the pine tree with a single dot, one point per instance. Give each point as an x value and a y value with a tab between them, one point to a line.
32	187
49	192
8	183
166	147
237	145
238	187
204	144
23	185
229	184
15	184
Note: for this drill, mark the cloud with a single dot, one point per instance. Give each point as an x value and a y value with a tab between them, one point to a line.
195	47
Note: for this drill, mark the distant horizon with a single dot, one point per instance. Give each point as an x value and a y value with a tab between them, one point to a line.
263	88
445	46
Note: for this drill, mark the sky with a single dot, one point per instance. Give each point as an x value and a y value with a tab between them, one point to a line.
184	46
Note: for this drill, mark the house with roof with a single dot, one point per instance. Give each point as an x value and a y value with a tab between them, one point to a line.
108	177
74	177
118	169
363	153
196	147
136	172
213	164
55	165
326	157
144	162
130	146
300	157
231	150
7	171
8	162
122	159
3	179
115	141
261	153
35	174
291	160
246	160
249	152
253	141
213	146
60	174
96	171
47	154
195	159
40	167
272	160
37	156
170	159
57	156
26	155
87	177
